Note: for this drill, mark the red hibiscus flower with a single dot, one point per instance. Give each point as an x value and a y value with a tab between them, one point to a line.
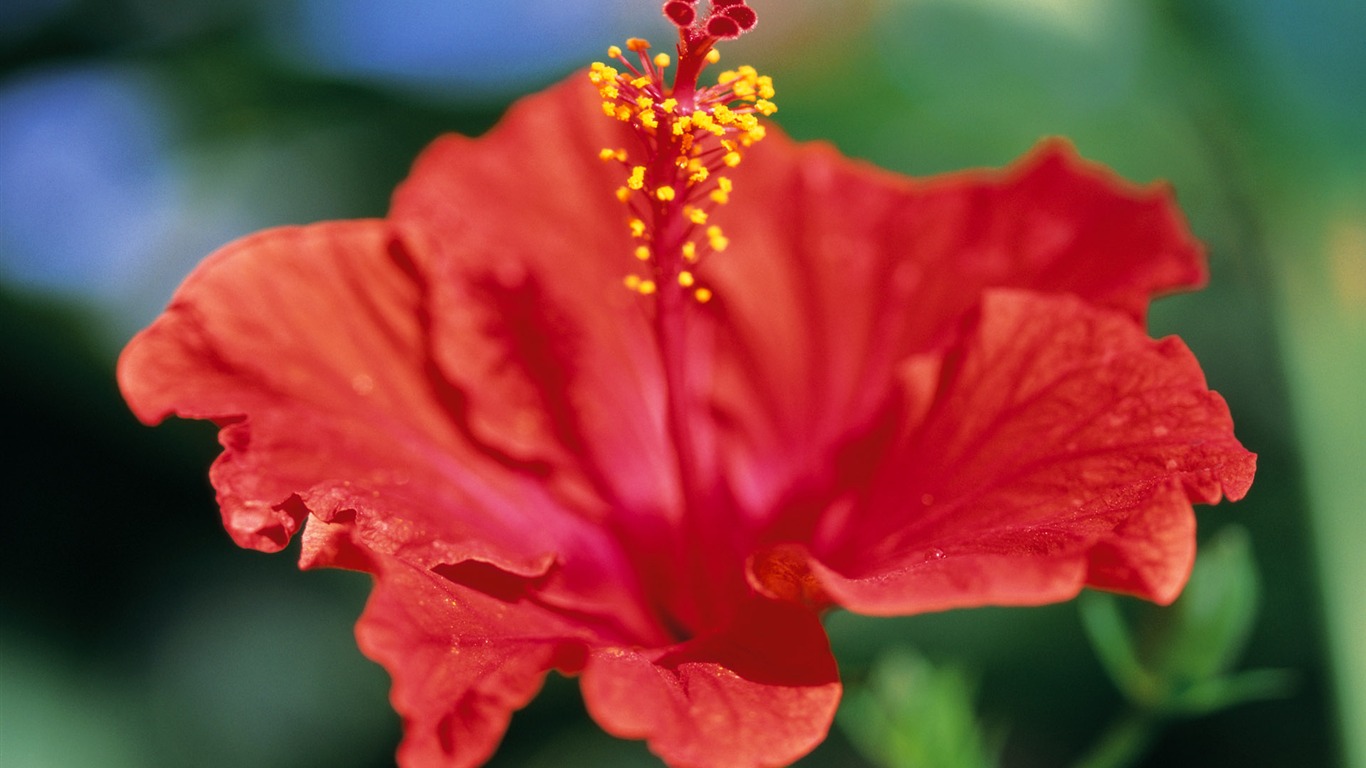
872	392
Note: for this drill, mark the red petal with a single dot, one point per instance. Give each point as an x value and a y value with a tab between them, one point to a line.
838	271
761	694
529	314
1062	447
461	661
307	346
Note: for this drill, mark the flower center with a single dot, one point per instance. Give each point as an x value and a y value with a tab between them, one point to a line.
687	137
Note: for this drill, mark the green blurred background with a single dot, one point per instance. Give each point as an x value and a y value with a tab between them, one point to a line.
138	135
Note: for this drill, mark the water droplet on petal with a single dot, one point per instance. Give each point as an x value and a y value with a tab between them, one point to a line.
935	553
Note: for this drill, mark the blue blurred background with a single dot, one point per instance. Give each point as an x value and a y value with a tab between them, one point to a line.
138	135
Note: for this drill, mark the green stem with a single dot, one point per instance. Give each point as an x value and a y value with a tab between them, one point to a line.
1124	742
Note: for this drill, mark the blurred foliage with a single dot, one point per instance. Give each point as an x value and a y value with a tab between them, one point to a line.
1179	664
910	713
133	633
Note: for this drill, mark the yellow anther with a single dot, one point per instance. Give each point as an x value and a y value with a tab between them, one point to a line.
690	251
609	109
607	154
703	295
646	287
623	194
644	102
662	60
613	52
721	195
731	159
641	82
686	279
668	105
713	56
680	126
765	107
638	44
700	175
723	114
632	282
695	215
716	240
637	227
649	120
643	252
665	193
609	91
624	113
766	87
726	77
637	179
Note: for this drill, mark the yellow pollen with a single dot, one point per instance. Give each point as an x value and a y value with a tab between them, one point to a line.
644	102
702	295
689	251
713	56
624	113
637	227
638	44
637	180
613	52
765	107
724	184
641	82
695	215
623	194
609	109
716	240
662	60
665	193
647	287
731	159
668	105
648	120
686	279
643	252
632	281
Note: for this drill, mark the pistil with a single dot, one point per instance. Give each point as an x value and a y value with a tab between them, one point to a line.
687	137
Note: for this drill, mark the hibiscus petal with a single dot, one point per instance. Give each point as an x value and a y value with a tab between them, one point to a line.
306	345
1063	448
529	314
462	661
838	271
762	693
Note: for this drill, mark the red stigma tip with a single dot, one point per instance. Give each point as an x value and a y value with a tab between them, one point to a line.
725	19
681	13
742	15
723	27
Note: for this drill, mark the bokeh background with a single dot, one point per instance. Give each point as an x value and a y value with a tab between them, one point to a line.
138	135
